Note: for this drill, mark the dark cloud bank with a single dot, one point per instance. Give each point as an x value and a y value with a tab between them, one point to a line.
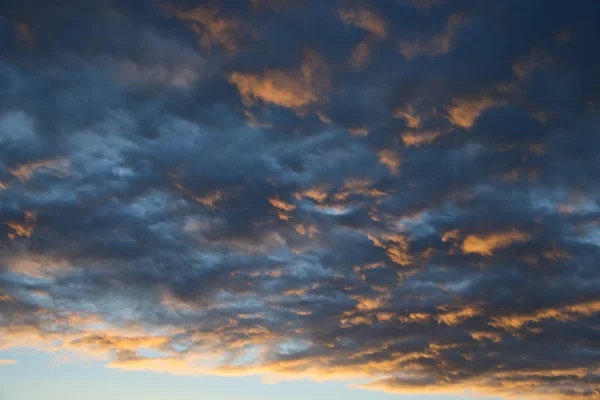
403	191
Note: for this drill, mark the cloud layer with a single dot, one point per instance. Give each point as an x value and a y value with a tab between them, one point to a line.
402	193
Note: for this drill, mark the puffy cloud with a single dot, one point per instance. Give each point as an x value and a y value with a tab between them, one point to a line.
211	27
390	159
364	18
411	139
464	112
23	228
287	89
565	313
275	188
485	245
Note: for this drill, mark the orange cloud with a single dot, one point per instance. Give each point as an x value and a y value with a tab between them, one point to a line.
130	361
58	167
309	230
211	199
409	115
483	336
24	228
396	247
37	266
104	340
485	245
390	159
211	27
417	139
7	362
290	89
371	22
464	112
566	313
358	186
365	19
451	236
281	205
415	318
452	318
318	194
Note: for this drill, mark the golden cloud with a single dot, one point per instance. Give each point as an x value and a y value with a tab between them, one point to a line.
396	247
390	159
464	112
281	205
409	115
24	228
483	336
485	245
104	340
566	313
37	266
416	139
211	199
455	317
365	19
363	187
211	27
415	318
317	193
307	230
290	89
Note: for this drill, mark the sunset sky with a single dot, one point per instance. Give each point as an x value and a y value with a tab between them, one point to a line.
299	199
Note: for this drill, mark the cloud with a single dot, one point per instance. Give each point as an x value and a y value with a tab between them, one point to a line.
212	28
25	172
417	139
24	228
390	159
485	245
361	54
439	44
399	195
561	314
364	18
286	89
464	112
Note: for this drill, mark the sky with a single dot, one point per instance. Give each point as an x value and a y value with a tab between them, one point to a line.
291	199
